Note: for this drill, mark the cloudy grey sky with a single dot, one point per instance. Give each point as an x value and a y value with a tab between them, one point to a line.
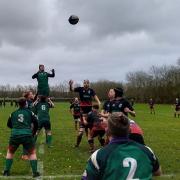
112	38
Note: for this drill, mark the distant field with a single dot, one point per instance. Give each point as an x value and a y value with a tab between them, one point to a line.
161	131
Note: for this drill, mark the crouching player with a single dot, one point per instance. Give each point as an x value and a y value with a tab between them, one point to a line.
21	122
96	127
42	107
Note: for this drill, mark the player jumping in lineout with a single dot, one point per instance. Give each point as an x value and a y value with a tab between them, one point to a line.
42	78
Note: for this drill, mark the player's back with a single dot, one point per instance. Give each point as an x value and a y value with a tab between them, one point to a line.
42	110
127	160
21	120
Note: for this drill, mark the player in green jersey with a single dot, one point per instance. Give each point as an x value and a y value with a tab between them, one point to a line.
21	122
30	98
42	106
122	158
42	78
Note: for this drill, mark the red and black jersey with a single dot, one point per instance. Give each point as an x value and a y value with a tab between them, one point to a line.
85	95
177	105
76	109
120	105
134	128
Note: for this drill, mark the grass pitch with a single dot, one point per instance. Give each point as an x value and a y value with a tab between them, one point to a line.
63	161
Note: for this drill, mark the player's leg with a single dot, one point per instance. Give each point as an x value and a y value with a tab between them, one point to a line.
29	145
13	145
101	134
47	127
80	135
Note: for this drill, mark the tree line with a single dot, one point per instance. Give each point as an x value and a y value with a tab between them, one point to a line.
160	83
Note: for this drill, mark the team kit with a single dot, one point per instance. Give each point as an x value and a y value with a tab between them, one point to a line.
124	153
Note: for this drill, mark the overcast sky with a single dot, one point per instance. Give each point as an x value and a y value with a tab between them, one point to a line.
112	38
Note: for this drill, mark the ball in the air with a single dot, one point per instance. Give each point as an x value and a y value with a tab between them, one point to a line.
73	19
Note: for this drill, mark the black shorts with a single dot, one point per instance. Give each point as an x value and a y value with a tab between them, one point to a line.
137	138
86	109
95	132
44	124
26	141
76	117
177	109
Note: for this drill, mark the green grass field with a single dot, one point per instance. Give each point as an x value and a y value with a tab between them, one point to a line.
161	134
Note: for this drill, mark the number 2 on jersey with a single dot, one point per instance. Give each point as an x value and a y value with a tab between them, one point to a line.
132	163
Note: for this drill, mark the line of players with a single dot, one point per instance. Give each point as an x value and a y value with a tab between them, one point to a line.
27	121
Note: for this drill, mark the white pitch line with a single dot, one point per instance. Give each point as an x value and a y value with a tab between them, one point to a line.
43	177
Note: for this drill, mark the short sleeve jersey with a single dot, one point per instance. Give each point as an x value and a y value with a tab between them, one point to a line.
76	108
85	95
42	111
120	105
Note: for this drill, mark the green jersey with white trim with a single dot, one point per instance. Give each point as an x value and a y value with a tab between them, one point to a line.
42	111
122	160
20	121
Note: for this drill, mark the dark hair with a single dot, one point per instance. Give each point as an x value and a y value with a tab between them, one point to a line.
118	92
95	106
22	102
118	125
40	65
42	98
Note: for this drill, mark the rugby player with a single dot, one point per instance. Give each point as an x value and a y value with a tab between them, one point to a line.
75	111
96	127
151	106
42	78
120	104
121	158
106	106
177	108
86	94
21	122
29	96
42	106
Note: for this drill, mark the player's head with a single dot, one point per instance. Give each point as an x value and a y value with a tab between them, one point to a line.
118	92
76	100
95	107
41	67
111	94
29	95
118	125
86	83
22	102
42	98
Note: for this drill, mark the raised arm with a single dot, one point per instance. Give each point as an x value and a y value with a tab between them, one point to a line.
52	74
71	85
51	103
